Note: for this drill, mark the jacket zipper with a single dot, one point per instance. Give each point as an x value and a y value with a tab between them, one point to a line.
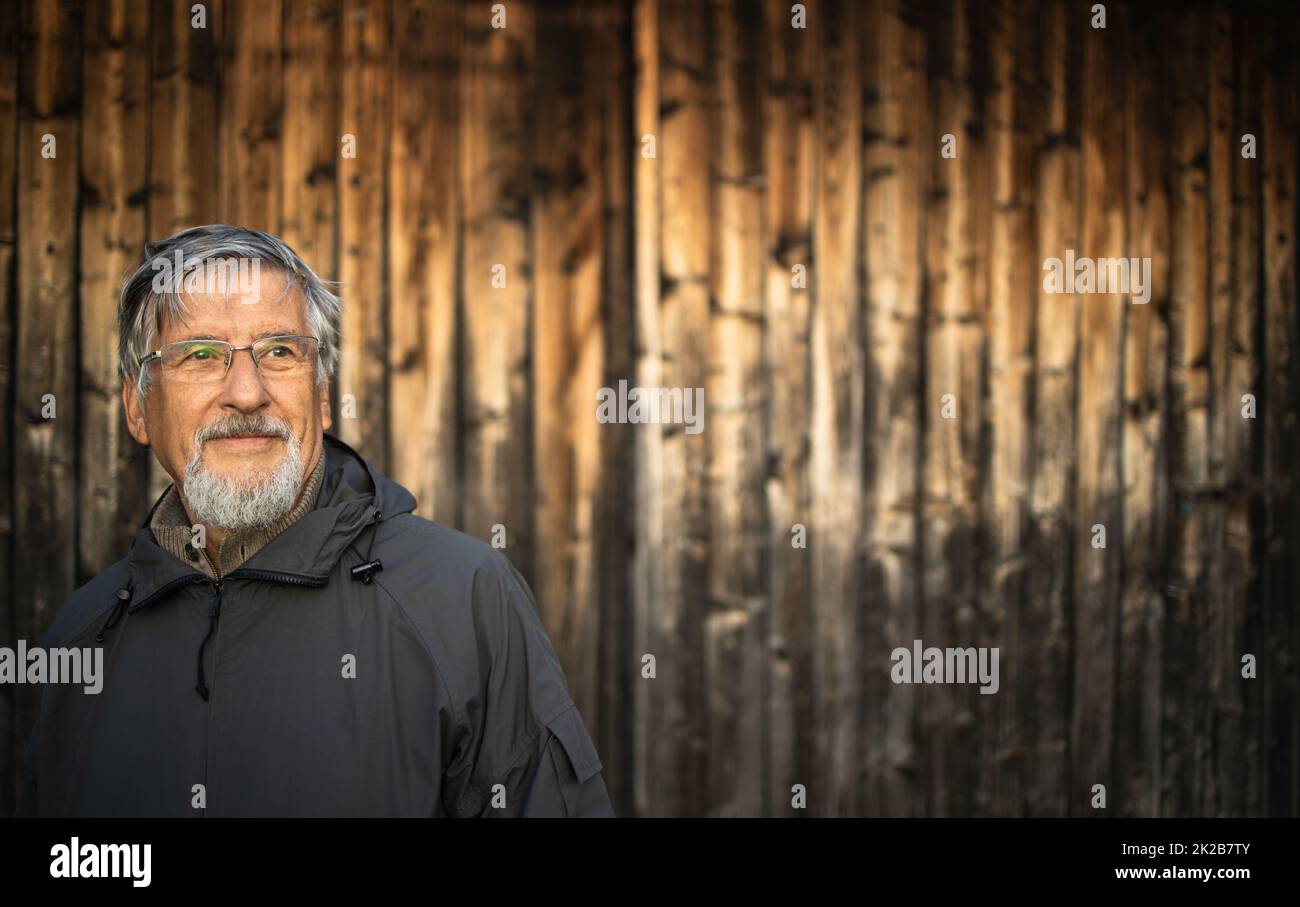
294	579
214	616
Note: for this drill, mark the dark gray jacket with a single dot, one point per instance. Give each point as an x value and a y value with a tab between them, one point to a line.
458	706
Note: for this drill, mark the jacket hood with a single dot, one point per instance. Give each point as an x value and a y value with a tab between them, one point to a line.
352	497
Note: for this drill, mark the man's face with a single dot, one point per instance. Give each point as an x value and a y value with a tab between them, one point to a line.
250	405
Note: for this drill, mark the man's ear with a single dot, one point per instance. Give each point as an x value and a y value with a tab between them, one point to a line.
134	407
325	419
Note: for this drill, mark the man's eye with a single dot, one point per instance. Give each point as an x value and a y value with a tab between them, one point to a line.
278	352
201	353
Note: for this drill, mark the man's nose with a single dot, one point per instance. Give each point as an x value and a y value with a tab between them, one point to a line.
243	387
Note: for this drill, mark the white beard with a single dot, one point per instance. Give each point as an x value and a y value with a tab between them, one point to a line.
216	500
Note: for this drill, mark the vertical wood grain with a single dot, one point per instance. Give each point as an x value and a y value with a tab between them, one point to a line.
1184	693
894	67
735	399
45	451
1279	652
613	720
686	147
953	363
424	230
838	401
309	163
1013	280
568	337
1145	450
1101	344
1242	377
1222	675
11	734
497	151
112	213
364	97
788	146
652	614
252	107
1053	552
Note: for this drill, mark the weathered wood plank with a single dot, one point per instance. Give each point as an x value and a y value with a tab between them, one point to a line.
653	789
1145	451
788	143
362	417
954	362
1280	649
568	337
309	164
497	151
1184	703
45	375
423	242
1221	672
11	735
686	143
115	71
1098	489
1014	277
838	402
1242	377
736	397
252	106
894	67
612	721
1052	547
184	122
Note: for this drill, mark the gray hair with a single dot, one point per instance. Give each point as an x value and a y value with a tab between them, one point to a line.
141	307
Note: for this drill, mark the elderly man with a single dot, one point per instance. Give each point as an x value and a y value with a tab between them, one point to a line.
285	637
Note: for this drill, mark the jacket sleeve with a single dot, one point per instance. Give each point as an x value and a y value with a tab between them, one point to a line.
524	749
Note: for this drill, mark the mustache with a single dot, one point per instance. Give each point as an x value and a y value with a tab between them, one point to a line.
243	425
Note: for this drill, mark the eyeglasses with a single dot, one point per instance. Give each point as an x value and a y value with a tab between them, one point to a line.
207	361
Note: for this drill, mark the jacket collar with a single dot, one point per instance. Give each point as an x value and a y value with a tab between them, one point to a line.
352	497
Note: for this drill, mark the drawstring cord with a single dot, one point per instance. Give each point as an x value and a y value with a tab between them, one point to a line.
123	596
365	572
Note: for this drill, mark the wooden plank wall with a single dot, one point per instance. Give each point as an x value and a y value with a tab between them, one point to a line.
906	435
